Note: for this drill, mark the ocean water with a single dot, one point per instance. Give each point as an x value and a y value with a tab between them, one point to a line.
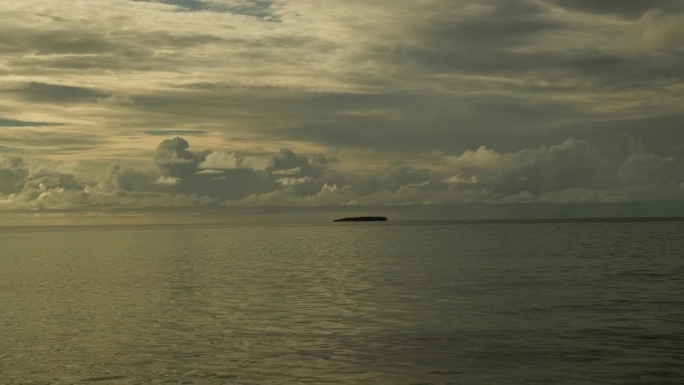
344	303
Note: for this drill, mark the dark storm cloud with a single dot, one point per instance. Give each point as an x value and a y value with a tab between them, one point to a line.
449	41
287	159
651	169
395	123
394	176
226	176
278	103
520	89
304	175
59	140
174	159
181	172
119	188
94	63
620	137
65	40
445	52
137	60
96	48
329	116
58	94
504	24
571	172
613	71
46	179
384	121
126	179
57	41
489	43
482	102
574	163
492	42
623	8
13	174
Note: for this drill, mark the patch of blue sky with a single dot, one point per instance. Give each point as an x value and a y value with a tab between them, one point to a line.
22	123
255	8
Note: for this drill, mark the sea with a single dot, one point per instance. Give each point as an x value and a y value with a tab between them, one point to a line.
493	302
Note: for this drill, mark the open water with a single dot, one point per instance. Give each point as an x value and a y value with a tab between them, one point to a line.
344	303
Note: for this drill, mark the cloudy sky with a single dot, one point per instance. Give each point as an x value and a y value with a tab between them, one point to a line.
412	108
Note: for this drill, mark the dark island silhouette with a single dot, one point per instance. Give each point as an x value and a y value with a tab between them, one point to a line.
361	219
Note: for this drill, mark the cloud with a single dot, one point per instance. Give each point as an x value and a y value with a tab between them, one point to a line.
13	173
176	132
119	179
571	172
59	94
661	29
498	86
396	175
327	195
224	175
294	181
461	179
288	171
118	189
117	100
647	168
57	41
167	180
573	163
44	140
452	75
482	158
47	179
174	159
286	161
625	8
489	24
221	161
218	175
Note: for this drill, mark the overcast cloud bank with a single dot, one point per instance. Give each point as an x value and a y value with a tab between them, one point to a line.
351	103
570	172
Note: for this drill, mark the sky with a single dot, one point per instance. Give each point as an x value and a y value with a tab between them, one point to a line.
212	110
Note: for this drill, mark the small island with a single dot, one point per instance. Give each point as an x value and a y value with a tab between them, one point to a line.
361	219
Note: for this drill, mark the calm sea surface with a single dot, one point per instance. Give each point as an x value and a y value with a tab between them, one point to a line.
344	303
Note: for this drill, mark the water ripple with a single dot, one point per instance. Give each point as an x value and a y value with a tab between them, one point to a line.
568	303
